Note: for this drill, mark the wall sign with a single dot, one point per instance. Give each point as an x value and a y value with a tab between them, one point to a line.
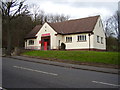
47	34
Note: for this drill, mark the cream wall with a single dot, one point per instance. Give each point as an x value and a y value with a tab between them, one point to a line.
75	44
98	30
61	38
44	30
54	38
27	46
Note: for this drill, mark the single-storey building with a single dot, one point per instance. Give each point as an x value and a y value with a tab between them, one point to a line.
80	34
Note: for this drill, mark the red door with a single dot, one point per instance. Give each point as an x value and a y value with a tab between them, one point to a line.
45	45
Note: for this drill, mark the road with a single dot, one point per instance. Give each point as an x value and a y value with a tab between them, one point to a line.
24	74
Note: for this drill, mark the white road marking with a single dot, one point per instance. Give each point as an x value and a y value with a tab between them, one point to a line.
106	83
35	70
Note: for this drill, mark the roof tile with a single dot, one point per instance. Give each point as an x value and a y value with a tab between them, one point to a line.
33	33
69	27
75	26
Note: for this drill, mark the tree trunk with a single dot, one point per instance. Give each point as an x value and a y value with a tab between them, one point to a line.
8	39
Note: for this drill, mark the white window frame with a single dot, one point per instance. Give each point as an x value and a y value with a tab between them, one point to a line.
81	38
31	42
100	23
98	39
68	39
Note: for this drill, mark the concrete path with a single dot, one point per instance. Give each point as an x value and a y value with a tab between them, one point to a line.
83	67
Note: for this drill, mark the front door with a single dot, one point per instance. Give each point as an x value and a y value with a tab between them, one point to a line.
45	43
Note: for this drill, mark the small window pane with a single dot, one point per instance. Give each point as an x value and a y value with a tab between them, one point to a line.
31	42
98	39
68	39
101	40
82	38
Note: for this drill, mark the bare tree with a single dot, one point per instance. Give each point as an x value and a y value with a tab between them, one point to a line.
118	13
41	17
64	18
10	10
51	18
111	26
35	10
112	30
56	18
38	15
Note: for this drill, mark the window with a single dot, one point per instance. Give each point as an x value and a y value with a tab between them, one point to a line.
101	40
98	39
31	42
81	38
59	43
68	39
99	23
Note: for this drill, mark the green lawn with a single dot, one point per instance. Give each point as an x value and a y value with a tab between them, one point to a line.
83	56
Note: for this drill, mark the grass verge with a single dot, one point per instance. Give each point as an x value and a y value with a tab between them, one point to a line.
82	56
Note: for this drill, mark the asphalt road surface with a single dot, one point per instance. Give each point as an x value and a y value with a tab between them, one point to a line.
24	74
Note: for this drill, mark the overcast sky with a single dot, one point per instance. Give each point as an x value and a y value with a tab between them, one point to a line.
78	8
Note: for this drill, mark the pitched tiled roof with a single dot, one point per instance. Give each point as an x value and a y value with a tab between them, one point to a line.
75	26
33	33
84	25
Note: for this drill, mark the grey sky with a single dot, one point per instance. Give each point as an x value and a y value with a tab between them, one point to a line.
78	8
